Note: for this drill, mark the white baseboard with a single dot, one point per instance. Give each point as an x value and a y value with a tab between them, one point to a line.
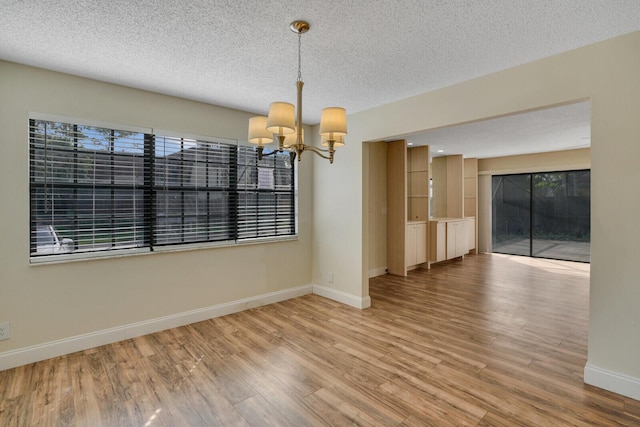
377	272
26	355
612	381
342	297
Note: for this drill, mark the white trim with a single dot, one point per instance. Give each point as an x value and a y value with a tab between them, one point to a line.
84	256
117	253
342	297
225	243
612	381
377	272
26	355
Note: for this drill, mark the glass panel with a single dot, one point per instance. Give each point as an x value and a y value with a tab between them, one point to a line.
285	223
94	139
93	214
511	214
192	181
53	135
266	179
283	179
86	187
266	204
128	142
266	214
562	215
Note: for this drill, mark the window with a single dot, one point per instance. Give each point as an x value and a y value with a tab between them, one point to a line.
96	189
266	204
193	184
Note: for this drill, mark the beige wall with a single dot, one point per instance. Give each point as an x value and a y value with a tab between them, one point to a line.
607	74
52	302
338	221
541	162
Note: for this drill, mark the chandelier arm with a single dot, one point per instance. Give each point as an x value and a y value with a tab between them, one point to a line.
317	152
320	151
316	149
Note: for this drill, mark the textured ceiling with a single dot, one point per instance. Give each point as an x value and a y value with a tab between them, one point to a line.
358	54
552	129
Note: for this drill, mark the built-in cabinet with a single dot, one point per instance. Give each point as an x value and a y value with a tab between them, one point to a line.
396	207
407	206
437	241
455	206
448	193
457	238
415	235
472	233
418	183
471	198
416	243
450	238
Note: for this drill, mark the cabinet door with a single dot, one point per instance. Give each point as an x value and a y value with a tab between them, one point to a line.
452	228
462	238
421	243
410	243
441	241
437	241
471	233
457	239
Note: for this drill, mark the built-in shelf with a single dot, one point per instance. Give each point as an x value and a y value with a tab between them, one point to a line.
471	196
418	183
407	206
413	237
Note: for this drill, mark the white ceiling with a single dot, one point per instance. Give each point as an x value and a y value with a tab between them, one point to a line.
358	54
558	128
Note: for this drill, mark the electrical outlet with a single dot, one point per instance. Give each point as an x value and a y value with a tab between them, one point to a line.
330	278
5	331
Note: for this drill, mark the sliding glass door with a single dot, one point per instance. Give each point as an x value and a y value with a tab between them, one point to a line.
511	220
544	215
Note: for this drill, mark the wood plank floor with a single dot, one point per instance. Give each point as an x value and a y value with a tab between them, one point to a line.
489	341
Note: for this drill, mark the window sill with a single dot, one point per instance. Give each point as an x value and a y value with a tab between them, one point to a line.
89	256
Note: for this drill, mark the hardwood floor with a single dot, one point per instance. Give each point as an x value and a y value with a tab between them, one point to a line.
489	341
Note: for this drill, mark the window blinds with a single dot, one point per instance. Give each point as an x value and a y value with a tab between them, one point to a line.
101	189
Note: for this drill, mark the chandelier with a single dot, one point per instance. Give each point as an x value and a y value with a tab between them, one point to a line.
282	123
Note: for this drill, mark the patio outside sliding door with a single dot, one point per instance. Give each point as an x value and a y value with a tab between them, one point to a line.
545	215
511	221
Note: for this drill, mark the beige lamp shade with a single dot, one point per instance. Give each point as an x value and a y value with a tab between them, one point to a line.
292	139
333	121
339	140
258	133
281	119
